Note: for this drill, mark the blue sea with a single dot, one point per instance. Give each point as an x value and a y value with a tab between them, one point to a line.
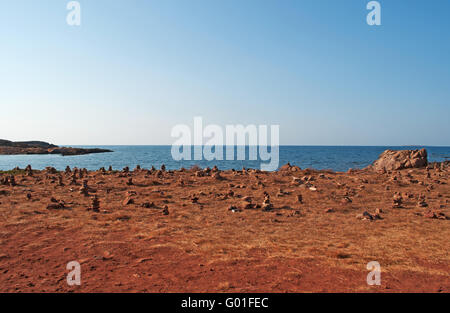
337	158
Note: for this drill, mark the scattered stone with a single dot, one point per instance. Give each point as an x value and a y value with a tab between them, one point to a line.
217	176
346	200
73	179
95	204
130	181
422	204
12	181
51	170
267	206
397	201
56	205
194	199
60	180
199	174
128	200
365	216
234	209
148	205
436	215
4	181
165	210
84	190
29	171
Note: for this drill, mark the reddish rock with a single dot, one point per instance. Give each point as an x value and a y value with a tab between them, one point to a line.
365	216
396	160
128	200
397	201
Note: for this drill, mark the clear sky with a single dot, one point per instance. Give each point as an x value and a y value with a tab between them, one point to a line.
136	68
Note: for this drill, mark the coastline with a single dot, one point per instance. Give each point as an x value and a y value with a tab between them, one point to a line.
338	159
207	230
8	147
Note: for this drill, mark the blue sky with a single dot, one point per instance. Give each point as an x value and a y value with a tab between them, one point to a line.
134	69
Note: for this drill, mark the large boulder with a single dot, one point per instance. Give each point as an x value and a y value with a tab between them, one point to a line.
391	160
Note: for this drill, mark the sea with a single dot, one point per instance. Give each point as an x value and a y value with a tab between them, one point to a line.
336	158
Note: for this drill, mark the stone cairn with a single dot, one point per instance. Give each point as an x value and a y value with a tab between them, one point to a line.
397	201
73	180
216	175
84	190
28	170
110	169
51	170
8	181
60	180
95	204
163	168
4	181
267	206
137	168
68	170
126	170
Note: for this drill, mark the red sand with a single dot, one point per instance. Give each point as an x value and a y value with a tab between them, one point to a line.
315	246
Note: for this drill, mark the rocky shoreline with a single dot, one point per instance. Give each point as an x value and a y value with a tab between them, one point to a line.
39	147
208	230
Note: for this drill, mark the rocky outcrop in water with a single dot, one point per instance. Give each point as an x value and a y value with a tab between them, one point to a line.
391	160
39	147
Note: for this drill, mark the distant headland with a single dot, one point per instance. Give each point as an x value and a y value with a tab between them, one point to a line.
39	147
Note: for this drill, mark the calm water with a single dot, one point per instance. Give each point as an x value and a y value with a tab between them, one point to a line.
318	157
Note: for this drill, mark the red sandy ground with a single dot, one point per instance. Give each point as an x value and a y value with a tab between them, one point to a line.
204	247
